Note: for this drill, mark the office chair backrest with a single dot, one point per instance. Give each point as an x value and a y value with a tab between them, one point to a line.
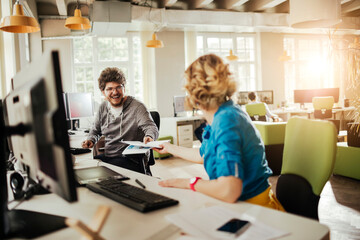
256	111
323	106
156	117
308	161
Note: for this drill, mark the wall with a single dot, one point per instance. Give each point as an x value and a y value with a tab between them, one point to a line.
272	70
170	67
64	46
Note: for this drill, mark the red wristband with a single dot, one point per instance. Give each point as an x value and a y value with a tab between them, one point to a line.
193	181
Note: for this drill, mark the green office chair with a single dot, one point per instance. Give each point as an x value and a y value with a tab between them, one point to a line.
256	111
308	161
323	107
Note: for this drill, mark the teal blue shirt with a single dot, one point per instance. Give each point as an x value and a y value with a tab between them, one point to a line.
232	147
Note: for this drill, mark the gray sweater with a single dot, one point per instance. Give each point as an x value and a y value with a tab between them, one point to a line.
133	124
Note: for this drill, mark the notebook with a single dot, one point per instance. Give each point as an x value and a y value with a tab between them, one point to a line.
96	174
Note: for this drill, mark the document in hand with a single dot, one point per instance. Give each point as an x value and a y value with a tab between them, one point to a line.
137	147
153	144
204	223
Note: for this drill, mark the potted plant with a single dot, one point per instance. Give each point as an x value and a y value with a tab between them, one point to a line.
353	127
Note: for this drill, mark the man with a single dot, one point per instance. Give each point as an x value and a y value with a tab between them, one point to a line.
119	118
269	114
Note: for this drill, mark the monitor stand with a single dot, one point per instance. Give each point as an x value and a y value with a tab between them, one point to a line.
20	223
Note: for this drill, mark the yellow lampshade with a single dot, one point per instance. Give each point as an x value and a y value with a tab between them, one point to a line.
154	43
232	57
285	57
18	22
77	22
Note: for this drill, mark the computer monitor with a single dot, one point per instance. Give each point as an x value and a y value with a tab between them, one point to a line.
180	105
34	118
266	96
306	95
79	105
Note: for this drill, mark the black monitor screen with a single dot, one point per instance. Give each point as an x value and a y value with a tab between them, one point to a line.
79	105
306	95
44	149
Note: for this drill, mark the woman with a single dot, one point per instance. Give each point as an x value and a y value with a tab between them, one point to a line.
231	150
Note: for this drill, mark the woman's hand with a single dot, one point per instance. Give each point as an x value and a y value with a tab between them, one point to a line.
164	148
176	183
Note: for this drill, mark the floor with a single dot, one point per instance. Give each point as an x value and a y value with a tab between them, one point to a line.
339	206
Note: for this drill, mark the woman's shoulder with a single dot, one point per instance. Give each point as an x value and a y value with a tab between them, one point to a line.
231	113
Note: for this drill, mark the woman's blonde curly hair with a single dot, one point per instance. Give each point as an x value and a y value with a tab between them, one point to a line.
208	82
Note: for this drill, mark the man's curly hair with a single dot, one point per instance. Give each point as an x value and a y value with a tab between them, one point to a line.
208	82
111	74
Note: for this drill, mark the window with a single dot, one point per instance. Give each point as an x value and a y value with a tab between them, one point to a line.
311	65
244	69
94	54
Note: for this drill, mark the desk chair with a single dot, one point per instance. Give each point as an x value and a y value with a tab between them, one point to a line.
308	161
256	111
323	109
156	118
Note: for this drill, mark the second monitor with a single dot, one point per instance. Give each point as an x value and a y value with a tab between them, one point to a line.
78	105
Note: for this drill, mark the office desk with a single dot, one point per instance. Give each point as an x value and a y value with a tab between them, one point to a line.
125	223
286	113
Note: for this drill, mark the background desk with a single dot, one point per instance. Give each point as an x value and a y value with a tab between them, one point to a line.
338	113
125	223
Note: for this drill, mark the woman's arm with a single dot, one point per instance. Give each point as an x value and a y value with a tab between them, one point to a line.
189	154
227	189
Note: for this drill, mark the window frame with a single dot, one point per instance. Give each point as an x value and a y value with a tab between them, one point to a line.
250	83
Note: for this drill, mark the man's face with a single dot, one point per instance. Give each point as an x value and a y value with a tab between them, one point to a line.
114	93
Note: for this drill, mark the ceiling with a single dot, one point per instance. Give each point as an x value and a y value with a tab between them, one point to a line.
349	8
203	15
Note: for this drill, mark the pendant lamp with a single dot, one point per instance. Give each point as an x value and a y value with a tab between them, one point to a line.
18	22
232	57
285	57
77	22
154	43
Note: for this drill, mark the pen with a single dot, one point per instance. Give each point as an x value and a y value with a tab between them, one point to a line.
140	183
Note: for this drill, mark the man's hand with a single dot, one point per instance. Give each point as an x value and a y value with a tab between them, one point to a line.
147	139
87	144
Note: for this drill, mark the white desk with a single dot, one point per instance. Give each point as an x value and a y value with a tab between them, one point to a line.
286	113
126	223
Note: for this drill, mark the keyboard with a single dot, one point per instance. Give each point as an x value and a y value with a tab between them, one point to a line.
131	196
76	151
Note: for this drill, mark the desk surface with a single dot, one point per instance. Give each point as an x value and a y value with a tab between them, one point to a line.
125	223
308	110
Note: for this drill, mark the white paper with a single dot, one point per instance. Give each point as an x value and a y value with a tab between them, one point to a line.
204	222
153	144
133	149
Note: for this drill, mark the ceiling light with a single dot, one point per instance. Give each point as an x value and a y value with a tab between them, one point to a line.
18	22
232	57
285	57
314	14
154	43
77	22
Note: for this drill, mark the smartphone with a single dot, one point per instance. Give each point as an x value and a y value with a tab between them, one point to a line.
233	228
